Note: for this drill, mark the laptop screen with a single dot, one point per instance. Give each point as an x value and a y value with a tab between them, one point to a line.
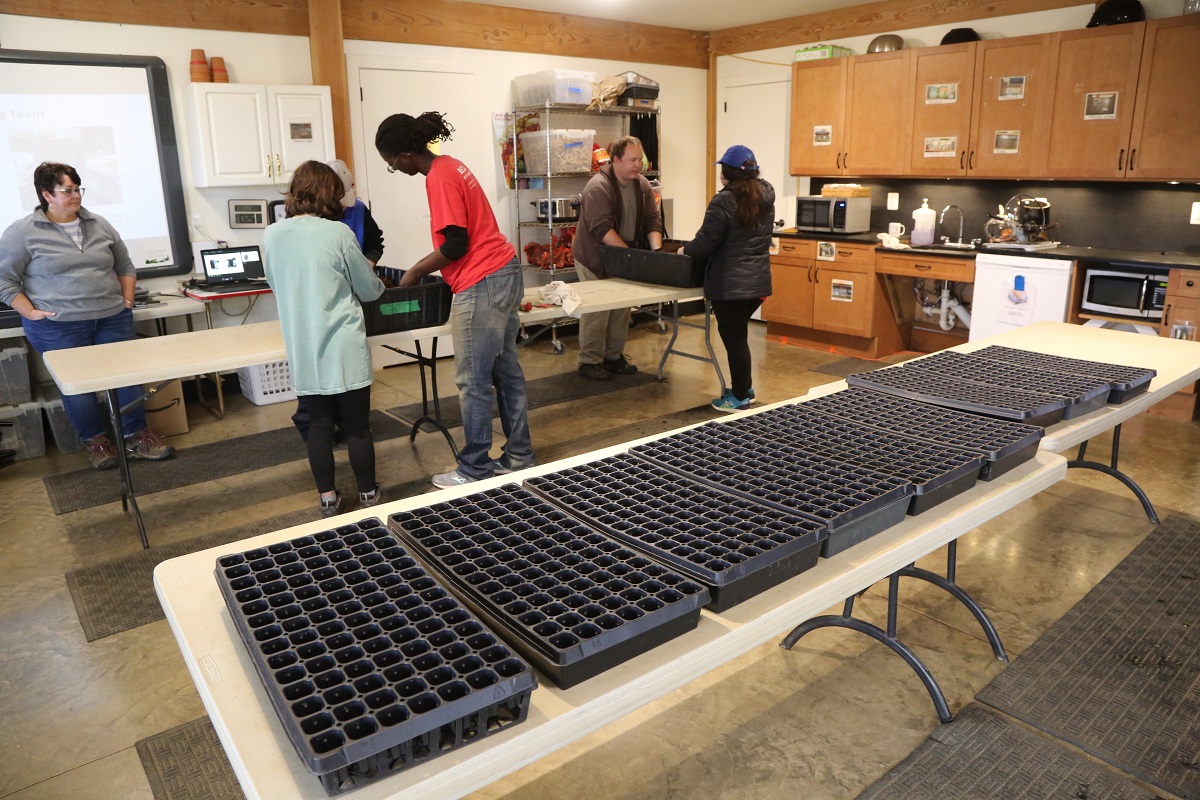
231	264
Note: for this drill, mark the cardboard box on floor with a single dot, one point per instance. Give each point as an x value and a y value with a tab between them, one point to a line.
165	411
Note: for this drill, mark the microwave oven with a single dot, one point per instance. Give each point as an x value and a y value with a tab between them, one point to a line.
833	214
1121	291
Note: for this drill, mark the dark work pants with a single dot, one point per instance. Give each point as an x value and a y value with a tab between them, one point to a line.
733	322
352	411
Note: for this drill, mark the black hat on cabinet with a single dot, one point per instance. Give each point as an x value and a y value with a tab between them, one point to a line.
1116	12
960	35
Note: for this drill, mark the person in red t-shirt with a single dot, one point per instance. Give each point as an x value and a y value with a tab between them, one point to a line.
482	269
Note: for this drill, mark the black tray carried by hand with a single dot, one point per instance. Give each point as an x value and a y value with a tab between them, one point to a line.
658	267
572	600
737	547
372	666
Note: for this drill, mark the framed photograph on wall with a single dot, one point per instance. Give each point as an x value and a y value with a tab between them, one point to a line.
826	251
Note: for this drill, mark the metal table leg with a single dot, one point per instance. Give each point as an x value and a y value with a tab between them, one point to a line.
128	498
711	358
1111	469
427	386
888	637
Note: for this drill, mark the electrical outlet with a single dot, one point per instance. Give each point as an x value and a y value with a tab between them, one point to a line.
893	201
1196	213
196	220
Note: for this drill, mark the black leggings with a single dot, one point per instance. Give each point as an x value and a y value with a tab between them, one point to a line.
733	321
351	411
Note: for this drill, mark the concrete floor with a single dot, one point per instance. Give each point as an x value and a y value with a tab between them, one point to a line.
821	721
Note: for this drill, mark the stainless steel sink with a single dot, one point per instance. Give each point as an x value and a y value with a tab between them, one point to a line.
947	247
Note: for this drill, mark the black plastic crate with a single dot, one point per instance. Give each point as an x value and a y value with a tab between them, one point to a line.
1084	393
572	600
658	267
8	317
370	663
1002	444
855	502
425	305
935	471
993	401
1126	381
737	547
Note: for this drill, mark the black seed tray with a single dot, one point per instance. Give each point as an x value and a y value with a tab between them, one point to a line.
737	547
1084	393
371	665
1002	444
575	601
993	401
937	472
1126	381
854	501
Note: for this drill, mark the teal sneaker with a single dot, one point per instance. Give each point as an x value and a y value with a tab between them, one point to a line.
730	404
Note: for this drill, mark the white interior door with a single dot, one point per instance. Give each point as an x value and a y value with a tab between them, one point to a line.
398	201
758	116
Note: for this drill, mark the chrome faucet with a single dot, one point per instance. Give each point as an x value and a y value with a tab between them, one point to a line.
942	221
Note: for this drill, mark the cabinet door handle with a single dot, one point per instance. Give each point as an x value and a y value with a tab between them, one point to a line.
1191	284
923	266
844	253
1132	158
810	269
971	161
817	276
278	166
270	174
1167	315
962	160
846	160
787	247
1121	160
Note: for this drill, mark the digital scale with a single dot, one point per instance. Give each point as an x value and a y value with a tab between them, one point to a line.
248	214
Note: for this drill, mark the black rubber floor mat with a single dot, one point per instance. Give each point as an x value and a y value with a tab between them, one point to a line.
1119	675
188	763
119	595
982	756
542	392
86	488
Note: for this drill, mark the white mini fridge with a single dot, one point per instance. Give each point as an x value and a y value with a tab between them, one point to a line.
1013	291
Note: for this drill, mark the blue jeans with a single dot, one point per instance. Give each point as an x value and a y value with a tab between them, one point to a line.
82	410
484	321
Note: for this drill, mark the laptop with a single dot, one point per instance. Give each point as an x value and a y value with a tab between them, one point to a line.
231	269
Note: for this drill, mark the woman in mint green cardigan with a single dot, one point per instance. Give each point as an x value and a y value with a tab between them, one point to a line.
320	279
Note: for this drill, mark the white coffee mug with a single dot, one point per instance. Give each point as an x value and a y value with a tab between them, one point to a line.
896	228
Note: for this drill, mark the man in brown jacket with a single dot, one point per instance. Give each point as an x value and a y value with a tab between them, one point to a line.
618	209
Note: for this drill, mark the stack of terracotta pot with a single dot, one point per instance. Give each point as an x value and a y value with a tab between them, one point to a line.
204	72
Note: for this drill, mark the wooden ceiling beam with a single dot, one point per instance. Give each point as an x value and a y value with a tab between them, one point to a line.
281	17
870	18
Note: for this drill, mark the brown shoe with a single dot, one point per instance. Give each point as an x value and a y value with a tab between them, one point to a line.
146	445
100	452
595	372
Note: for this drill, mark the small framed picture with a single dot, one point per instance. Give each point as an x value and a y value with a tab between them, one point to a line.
941	146
941	93
841	291
826	251
822	135
1012	87
1100	105
1007	142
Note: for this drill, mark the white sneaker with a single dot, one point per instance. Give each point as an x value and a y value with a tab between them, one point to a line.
452	478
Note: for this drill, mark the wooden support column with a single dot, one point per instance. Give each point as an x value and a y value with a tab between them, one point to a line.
328	54
710	143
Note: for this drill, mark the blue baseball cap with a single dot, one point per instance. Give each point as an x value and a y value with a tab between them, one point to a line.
737	156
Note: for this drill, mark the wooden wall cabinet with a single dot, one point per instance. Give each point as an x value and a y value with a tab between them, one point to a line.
943	80
850	115
1166	116
1002	108
250	135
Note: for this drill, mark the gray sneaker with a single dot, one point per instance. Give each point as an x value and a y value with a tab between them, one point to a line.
331	508
370	499
100	452
146	445
451	478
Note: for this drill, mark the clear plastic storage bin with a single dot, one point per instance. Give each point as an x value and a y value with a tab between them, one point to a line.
14	375
553	85
26	435
570	150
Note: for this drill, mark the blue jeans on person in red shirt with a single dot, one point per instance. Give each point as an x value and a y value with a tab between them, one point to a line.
83	411
483	318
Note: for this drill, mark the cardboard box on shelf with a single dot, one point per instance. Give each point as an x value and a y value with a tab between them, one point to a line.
820	51
166	413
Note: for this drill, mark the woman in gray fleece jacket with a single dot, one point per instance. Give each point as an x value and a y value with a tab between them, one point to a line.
66	271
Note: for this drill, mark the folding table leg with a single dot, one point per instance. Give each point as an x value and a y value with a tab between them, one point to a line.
1111	469
128	498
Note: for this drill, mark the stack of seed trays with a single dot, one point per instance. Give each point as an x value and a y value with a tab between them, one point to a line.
1031	408
738	548
1003	445
372	666
935	471
1126	382
1083	393
855	502
572	600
